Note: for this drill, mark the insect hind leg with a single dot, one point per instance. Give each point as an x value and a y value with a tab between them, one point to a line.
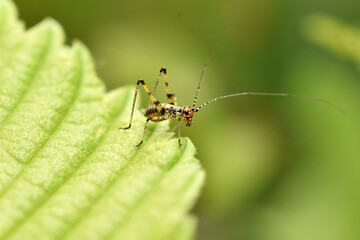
171	98
153	99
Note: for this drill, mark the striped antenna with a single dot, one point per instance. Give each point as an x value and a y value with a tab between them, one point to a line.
274	94
202	76
215	43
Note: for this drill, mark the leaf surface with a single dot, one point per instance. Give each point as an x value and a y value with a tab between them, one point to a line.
66	170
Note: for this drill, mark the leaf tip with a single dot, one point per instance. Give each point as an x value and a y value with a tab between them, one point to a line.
53	28
81	47
9	6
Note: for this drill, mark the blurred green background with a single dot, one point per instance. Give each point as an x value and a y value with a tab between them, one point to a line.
277	168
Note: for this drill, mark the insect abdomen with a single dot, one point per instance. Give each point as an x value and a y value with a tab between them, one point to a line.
151	111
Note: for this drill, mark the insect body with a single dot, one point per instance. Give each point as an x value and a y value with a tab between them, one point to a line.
163	111
169	111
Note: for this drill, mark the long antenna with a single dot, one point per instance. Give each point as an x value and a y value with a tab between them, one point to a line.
215	43
274	94
202	75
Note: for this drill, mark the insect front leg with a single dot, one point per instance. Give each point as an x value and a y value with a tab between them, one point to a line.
153	99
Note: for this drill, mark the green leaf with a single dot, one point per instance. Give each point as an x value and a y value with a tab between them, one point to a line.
334	35
66	170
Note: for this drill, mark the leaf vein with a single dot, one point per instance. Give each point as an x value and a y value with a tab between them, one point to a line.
73	100
66	178
148	193
32	77
106	191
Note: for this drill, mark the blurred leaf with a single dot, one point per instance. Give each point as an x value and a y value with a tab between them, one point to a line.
66	171
334	35
318	197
